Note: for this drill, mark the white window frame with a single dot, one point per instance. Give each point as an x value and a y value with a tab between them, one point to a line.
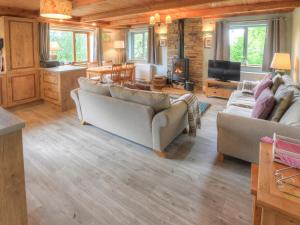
131	44
246	26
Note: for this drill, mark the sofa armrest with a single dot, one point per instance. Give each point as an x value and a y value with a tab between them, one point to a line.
75	97
168	124
240	136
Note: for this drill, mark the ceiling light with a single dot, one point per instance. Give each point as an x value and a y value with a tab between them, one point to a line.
56	9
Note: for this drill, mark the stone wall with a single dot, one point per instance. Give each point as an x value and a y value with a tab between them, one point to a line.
193	47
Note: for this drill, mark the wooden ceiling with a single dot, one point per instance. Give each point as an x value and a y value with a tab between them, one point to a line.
120	13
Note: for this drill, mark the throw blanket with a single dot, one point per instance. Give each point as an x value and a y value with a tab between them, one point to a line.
193	112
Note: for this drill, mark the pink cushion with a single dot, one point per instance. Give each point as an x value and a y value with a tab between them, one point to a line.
265	83
264	105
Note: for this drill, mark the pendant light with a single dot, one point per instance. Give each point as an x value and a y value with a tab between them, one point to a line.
56	9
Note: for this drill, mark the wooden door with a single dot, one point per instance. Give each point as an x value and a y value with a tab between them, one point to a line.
22	87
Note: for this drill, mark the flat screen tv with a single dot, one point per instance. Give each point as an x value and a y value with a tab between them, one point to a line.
224	70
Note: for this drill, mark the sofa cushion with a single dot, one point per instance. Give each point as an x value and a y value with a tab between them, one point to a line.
284	90
239	111
266	83
248	86
93	86
281	107
292	115
264	105
277	81
240	99
158	101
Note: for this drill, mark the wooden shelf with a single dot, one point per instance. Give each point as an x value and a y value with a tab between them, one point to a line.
220	89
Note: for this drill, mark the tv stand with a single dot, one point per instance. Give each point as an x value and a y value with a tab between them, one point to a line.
220	89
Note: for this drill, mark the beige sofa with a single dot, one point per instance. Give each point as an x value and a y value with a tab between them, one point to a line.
139	123
239	134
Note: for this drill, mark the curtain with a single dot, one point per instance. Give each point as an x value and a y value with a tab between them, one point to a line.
275	41
222	41
152	46
125	52
98	46
44	29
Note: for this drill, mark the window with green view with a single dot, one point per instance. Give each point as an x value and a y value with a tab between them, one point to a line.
138	45
62	44
247	44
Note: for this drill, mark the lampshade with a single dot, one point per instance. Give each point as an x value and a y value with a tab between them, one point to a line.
168	19
281	61
56	9
119	44
54	46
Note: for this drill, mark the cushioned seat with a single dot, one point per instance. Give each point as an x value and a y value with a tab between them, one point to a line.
239	111
240	99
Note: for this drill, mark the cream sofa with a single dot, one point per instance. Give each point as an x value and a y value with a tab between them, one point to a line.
136	122
239	134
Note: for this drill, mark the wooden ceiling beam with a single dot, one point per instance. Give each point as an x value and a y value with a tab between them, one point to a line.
235	10
138	9
9	11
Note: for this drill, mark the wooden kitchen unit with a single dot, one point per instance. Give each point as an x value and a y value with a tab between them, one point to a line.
13	208
57	83
20	75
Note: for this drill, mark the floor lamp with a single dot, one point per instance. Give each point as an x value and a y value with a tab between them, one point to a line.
119	45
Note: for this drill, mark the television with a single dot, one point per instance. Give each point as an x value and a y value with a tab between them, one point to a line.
224	70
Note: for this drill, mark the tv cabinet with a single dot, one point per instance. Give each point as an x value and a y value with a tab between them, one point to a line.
220	89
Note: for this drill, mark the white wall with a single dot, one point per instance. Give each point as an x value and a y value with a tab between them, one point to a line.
296	45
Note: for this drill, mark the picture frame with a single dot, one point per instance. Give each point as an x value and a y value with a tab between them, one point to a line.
208	42
162	42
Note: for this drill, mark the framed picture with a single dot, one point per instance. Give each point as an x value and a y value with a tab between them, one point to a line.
163	43
208	42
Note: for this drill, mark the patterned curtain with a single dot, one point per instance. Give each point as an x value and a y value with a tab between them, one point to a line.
44	29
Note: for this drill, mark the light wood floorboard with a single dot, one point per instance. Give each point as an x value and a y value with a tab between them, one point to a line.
83	175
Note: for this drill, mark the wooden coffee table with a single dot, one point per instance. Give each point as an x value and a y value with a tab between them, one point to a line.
274	206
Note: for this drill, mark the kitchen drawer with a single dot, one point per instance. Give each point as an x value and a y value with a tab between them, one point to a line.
50	94
51	78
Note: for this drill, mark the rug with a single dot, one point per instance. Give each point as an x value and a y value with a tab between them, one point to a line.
203	107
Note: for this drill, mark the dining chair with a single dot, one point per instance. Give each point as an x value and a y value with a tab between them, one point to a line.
129	72
116	71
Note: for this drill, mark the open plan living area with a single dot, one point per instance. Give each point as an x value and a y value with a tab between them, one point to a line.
150	112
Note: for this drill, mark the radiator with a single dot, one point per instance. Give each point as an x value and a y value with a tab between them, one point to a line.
143	71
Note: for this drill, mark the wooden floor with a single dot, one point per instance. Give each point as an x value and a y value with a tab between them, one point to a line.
82	175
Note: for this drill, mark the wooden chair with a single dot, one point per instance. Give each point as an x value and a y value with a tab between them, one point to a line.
128	74
116	71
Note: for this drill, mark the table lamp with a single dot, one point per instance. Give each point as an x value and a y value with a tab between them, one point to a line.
281	63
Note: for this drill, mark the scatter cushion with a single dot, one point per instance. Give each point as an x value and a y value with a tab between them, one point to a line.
264	84
93	86
158	101
277	81
281	107
292	115
264	104
284	90
248	86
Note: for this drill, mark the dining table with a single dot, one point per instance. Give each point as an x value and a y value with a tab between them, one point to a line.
100	71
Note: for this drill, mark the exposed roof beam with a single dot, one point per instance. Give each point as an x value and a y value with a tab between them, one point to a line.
256	8
137	9
9	11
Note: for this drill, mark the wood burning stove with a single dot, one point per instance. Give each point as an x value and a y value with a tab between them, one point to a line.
180	69
180	64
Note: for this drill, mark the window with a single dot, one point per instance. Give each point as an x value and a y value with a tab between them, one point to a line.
69	46
247	44
138	44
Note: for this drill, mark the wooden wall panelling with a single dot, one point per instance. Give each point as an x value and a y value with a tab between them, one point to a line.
23	87
3	94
